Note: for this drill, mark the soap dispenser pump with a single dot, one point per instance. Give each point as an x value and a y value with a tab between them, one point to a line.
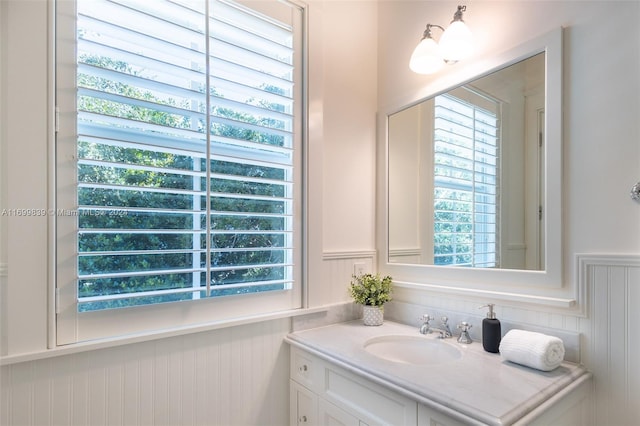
491	332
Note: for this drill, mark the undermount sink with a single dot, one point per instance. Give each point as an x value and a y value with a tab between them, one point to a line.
412	349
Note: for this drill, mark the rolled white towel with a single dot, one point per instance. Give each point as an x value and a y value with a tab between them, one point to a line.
535	350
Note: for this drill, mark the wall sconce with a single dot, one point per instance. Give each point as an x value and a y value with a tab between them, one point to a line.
456	43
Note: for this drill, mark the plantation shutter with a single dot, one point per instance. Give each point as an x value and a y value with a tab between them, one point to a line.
188	127
466	150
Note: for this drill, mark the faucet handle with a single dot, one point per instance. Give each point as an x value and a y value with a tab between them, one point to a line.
464	334
464	326
426	318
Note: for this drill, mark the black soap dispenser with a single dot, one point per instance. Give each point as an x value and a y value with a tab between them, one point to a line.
491	332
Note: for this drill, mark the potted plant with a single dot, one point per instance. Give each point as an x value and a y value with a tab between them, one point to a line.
372	292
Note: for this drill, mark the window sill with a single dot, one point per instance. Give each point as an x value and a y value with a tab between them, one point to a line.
156	335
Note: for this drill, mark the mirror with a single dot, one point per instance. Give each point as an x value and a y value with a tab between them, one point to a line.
466	173
527	261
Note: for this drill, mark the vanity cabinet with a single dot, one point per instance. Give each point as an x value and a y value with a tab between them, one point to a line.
334	381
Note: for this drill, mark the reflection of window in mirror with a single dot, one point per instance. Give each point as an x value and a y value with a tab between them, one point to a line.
466	171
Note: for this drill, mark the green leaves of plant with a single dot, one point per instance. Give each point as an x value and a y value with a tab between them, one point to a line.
369	289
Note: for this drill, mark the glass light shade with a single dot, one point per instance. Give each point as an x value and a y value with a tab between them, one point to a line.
426	57
456	42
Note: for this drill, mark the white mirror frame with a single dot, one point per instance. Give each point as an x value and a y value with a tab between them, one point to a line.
539	287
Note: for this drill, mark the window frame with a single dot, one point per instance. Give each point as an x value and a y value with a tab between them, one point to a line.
73	326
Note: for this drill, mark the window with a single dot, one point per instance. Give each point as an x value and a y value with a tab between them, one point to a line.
466	153
186	161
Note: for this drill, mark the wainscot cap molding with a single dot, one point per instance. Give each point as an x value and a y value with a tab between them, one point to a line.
334	255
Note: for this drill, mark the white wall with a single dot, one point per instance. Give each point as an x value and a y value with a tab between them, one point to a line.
342	138
236	375
25	118
349	114
3	185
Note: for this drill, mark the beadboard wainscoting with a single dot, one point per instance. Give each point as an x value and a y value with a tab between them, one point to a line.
239	375
612	340
232	376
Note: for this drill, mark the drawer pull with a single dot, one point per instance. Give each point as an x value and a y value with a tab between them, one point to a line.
303	368
303	419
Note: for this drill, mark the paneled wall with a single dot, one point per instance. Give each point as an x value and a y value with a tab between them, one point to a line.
239	375
611	344
232	376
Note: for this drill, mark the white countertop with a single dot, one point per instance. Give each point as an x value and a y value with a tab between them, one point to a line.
479	385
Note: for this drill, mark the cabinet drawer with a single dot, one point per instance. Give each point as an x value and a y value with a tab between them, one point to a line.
306	370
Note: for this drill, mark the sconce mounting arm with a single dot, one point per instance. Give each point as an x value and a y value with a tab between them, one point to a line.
427	31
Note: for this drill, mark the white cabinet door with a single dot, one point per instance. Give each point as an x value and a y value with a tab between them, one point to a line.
330	415
304	406
373	404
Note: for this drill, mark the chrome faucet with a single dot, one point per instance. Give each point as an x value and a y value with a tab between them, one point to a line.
425	328
445	326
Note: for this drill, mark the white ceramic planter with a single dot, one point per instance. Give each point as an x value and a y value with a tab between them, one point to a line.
372	315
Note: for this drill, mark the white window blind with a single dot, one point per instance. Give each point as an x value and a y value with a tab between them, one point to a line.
466	160
187	152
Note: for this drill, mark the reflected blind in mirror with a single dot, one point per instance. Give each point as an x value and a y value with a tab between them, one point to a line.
466	160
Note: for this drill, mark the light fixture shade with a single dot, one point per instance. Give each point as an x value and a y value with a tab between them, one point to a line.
456	42
426	57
